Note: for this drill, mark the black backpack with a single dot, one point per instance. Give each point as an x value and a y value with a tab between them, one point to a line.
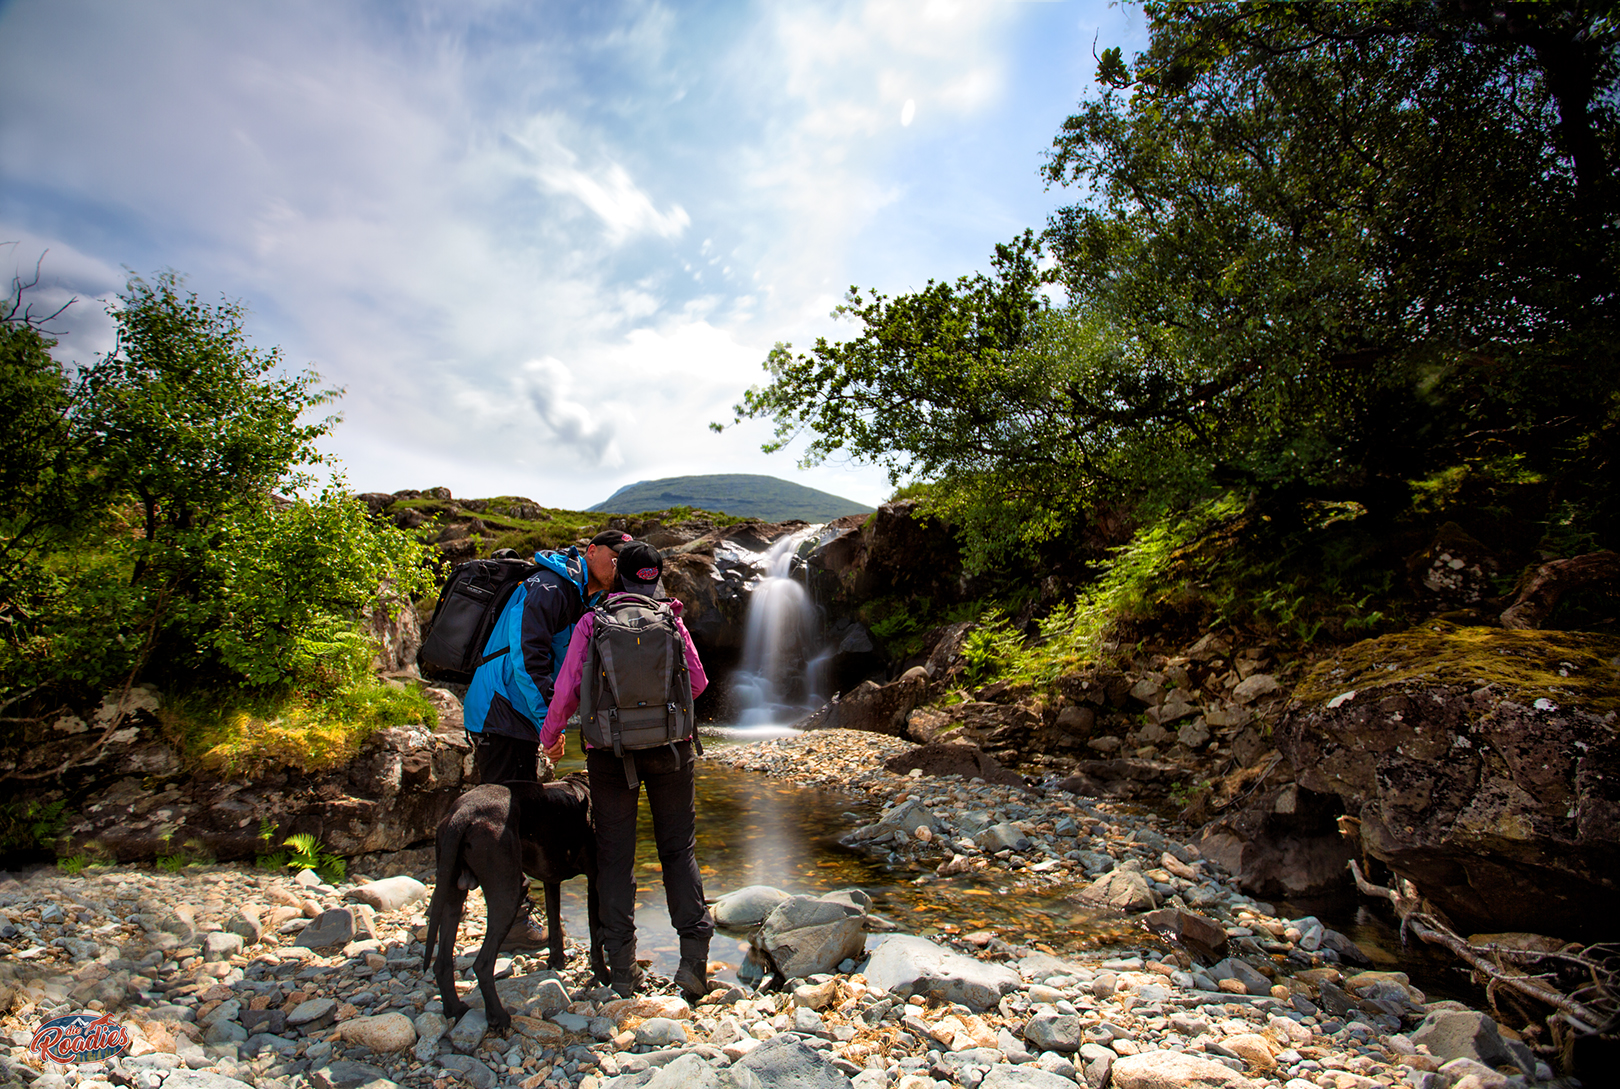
635	691
469	605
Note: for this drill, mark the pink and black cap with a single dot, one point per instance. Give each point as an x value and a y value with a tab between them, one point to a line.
612	538
640	565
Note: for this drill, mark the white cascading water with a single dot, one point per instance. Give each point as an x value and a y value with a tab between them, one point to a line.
778	682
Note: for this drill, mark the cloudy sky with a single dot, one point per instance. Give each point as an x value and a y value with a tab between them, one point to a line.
540	245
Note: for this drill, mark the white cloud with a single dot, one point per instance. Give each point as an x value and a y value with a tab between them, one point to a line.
541	247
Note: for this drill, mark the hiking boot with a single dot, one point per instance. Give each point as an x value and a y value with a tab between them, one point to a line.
692	976
625	973
525	935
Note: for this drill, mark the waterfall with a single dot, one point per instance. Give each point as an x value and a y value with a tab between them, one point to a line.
782	671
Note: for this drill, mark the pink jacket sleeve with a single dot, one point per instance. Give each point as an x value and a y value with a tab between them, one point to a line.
565	697
700	679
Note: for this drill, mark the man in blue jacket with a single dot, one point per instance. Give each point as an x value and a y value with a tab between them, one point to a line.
508	697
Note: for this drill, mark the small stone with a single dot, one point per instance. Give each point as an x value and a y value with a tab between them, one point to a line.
1053	1032
221	946
328	929
1173	1070
314	1012
470	1031
389	894
660	1032
385	1033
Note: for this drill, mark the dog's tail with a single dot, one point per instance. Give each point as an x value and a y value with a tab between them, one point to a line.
446	876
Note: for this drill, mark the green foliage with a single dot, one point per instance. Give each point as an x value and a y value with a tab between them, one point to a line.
289	583
149	540
1355	242
74	865
171	863
30	825
235	731
308	854
1323	250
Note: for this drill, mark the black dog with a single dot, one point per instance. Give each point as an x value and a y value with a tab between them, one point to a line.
492	836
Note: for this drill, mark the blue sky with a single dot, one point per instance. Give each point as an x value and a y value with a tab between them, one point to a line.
540	245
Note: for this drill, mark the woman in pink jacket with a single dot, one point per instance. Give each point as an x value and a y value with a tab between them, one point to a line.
671	795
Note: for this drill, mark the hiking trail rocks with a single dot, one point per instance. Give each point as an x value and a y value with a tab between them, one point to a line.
972	1010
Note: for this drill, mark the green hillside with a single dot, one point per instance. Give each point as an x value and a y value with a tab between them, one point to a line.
744	495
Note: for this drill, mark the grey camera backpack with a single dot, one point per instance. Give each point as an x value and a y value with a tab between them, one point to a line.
635	691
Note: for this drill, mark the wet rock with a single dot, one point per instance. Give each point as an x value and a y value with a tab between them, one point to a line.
1002	837
876	708
805	935
1121	890
1201	934
746	906
908	965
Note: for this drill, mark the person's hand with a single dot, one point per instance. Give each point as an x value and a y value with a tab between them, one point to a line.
555	752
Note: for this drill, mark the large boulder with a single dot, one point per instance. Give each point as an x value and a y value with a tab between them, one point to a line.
1483	764
909	965
804	935
1284	842
874	708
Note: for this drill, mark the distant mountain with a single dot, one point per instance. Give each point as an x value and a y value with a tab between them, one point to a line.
744	495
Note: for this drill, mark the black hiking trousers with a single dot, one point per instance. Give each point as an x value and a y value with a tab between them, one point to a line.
668	774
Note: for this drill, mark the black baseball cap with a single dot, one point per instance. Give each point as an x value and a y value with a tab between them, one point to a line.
612	538
640	565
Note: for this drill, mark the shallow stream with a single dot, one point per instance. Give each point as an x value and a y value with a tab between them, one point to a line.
753	830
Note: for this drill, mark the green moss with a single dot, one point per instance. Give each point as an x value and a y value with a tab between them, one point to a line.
1577	669
244	732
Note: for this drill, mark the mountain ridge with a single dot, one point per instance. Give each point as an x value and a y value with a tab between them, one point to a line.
744	495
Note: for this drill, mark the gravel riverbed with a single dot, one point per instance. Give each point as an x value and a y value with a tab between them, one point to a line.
205	971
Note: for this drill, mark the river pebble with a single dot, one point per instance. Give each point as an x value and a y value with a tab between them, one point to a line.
1281	1008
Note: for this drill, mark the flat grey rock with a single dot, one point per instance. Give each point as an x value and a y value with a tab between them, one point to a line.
908	965
1462	1034
311	1011
346	1074
746	906
328	929
785	1062
475	1072
1053	1032
469	1031
1006	1076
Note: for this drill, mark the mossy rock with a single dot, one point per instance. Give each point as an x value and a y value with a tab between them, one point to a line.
1574	669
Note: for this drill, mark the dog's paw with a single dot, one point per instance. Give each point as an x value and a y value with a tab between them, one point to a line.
454	1010
557	961
501	1022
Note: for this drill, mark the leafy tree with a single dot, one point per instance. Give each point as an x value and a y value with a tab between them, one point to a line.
149	538
1321	250
192	420
1366	238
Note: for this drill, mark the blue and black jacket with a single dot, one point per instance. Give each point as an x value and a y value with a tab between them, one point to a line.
509	695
